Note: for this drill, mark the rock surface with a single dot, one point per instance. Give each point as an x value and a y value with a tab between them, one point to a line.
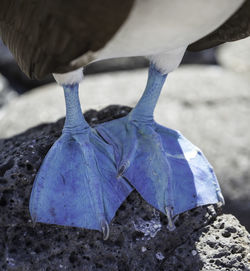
204	239
209	105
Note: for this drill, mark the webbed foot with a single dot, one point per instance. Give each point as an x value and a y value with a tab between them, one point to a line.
76	184
165	168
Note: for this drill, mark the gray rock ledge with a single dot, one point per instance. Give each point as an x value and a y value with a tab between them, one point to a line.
204	239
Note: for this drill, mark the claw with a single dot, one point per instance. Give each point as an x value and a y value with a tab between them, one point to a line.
169	213
122	169
105	229
120	172
220	197
33	224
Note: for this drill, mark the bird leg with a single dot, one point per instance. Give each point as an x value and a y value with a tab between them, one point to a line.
167	170
76	184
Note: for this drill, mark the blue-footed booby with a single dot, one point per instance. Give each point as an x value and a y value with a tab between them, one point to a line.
89	172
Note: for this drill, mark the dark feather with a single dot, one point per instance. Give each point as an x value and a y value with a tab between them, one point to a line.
235	28
44	36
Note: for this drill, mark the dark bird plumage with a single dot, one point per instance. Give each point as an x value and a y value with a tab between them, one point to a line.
235	28
44	40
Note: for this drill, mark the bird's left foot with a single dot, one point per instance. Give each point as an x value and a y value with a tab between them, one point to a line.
167	170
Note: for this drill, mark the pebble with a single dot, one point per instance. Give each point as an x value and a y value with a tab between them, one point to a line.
159	256
194	252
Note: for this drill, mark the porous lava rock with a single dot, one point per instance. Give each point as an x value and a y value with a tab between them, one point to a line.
204	238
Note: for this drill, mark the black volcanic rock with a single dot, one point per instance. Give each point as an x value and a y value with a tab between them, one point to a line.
204	238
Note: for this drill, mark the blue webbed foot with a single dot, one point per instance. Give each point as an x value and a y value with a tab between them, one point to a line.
76	184
165	168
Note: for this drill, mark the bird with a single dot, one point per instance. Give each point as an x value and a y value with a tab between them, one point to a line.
89	171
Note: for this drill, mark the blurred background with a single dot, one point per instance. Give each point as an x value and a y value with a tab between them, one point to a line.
207	99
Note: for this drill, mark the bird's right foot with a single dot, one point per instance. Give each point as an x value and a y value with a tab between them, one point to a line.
76	184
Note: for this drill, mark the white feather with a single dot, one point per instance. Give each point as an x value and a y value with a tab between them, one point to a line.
69	78
169	61
158	26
